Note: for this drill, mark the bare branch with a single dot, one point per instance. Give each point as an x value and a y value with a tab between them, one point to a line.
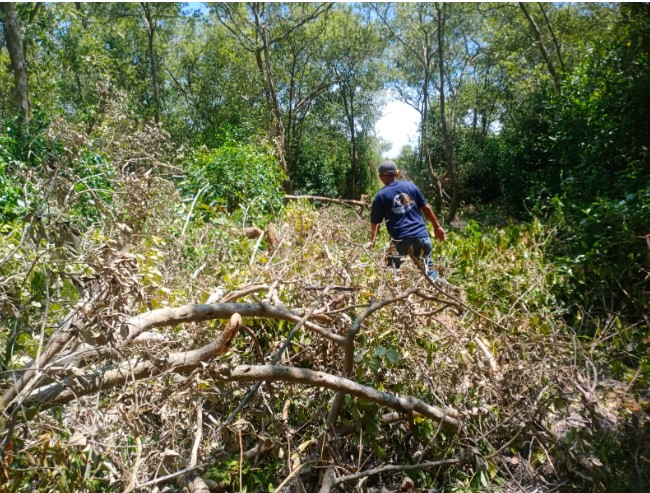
187	361
136	369
320	9
540	44
408	404
202	313
348	203
394	468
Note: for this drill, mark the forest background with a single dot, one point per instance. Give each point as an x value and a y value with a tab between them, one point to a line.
138	141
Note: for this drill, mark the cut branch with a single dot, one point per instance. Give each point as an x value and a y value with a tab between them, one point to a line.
202	313
139	324
135	369
407	404
65	333
333	482
348	347
349	203
184	362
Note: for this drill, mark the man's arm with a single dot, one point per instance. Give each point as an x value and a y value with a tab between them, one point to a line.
431	216
374	229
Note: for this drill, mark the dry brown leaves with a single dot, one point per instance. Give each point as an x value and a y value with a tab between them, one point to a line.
509	383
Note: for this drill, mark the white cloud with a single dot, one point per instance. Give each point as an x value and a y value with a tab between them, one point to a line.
399	126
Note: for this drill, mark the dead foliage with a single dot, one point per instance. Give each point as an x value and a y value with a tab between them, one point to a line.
343	373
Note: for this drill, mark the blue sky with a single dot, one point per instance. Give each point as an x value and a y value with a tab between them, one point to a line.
398	125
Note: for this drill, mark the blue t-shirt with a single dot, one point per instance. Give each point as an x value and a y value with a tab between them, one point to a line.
399	204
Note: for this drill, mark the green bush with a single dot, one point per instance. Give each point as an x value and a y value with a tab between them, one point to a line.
94	183
600	140
316	172
12	200
602	251
235	176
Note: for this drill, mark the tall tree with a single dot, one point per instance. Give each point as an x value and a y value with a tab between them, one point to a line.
16	50
540	43
413	27
215	84
446	133
457	53
357	47
433	60
261	29
137	36
152	16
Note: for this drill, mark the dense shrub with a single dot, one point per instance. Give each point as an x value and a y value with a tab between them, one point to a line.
316	172
600	139
234	176
12	200
586	145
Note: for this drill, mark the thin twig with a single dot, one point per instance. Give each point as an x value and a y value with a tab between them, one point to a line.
199	433
395	468
293	474
189	214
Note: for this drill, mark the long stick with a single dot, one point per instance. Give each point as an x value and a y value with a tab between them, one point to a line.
346	202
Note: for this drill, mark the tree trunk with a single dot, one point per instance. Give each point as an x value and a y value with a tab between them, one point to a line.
17	55
540	43
151	33
264	66
553	36
348	105
82	13
424	144
446	135
474	121
425	150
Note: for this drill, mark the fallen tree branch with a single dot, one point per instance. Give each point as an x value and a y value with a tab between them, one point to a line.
348	203
292	475
173	475
253	390
270	373
193	313
348	348
202	313
67	331
245	291
136	369
440	287
143	322
330	482
193	484
183	362
194	458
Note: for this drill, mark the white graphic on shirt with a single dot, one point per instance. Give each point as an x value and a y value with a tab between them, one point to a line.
402	203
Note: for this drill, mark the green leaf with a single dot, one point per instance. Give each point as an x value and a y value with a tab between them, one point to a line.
375	364
392	355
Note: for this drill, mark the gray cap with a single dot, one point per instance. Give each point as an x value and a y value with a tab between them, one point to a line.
388	168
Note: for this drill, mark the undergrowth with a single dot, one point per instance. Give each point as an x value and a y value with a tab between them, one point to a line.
536	397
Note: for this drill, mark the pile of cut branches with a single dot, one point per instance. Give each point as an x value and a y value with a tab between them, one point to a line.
302	364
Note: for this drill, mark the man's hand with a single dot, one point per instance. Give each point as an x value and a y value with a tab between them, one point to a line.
431	216
374	229
439	233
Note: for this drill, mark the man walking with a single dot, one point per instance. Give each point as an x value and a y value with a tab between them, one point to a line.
399	204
